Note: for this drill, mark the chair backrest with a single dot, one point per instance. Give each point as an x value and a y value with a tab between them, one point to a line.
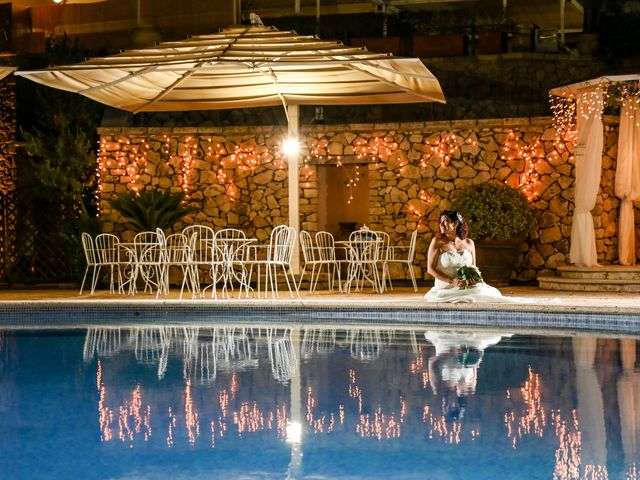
205	242
107	249
385	241
412	246
364	246
281	244
146	237
233	241
89	249
230	234
306	244
326	245
177	248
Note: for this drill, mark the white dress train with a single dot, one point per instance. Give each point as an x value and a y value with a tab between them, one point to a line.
448	265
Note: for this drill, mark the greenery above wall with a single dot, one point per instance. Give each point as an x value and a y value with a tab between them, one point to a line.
495	210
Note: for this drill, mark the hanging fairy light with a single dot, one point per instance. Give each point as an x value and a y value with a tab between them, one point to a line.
531	152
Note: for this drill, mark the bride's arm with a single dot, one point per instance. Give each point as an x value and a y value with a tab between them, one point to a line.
472	248
432	262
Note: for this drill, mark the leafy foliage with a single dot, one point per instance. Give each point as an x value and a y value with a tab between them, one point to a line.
57	162
495	211
470	275
151	209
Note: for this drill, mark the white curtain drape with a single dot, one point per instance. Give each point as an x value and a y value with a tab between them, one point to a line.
588	157
627	185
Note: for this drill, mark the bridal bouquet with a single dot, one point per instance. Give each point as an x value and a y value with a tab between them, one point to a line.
469	273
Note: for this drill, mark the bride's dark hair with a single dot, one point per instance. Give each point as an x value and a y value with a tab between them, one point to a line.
461	230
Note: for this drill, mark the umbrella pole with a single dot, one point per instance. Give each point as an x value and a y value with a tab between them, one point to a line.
293	117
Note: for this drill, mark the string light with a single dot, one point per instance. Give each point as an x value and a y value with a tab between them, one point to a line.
515	148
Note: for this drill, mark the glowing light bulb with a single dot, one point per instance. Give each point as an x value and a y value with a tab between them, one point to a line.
291	146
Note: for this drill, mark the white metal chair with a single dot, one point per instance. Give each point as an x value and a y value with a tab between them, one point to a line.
328	252
311	259
178	253
149	258
231	246
90	256
403	255
202	255
363	257
108	255
383	256
276	255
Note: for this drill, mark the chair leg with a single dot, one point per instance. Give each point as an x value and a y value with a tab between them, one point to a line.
304	268
286	277
385	273
94	280
314	278
84	278
413	277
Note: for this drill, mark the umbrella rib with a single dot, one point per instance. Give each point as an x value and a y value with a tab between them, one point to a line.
274	77
117	81
170	88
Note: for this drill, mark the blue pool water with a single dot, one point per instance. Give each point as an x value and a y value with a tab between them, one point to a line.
237	402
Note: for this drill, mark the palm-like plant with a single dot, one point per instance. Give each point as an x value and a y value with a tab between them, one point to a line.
151	209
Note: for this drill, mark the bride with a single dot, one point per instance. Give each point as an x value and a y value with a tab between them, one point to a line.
449	250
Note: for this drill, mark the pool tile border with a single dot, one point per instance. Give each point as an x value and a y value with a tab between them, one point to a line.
30	314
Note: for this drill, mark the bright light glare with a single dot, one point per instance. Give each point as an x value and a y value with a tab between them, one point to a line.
291	146
58	1
294	432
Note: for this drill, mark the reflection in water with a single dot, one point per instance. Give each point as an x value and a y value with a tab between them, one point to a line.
572	404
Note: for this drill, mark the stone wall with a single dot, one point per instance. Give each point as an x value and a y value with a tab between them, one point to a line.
237	177
7	135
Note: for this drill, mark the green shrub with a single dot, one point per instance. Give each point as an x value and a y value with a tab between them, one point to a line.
495	211
151	208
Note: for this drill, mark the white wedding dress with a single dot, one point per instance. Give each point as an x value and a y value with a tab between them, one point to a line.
448	265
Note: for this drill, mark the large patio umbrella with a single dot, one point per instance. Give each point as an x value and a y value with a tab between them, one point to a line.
4	71
246	66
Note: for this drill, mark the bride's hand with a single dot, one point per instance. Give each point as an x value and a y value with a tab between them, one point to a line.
457	282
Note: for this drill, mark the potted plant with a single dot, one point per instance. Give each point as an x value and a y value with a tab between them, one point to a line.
500	218
151	208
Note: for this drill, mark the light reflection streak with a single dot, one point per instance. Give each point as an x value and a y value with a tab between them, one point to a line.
380	426
534	419
248	418
191	419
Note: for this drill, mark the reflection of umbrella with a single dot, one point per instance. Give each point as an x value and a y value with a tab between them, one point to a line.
247	66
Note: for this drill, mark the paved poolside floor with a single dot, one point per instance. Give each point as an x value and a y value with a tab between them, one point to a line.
402	297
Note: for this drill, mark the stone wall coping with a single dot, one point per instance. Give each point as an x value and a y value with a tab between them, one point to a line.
354	127
556	57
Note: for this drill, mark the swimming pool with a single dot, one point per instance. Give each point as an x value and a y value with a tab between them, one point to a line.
262	401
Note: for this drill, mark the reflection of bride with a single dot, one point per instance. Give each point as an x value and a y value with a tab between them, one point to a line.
453	370
449	250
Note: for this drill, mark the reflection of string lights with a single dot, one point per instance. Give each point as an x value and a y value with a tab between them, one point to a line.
569	444
533	420
191	417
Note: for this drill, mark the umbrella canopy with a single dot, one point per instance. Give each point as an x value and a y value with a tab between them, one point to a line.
246	66
4	71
